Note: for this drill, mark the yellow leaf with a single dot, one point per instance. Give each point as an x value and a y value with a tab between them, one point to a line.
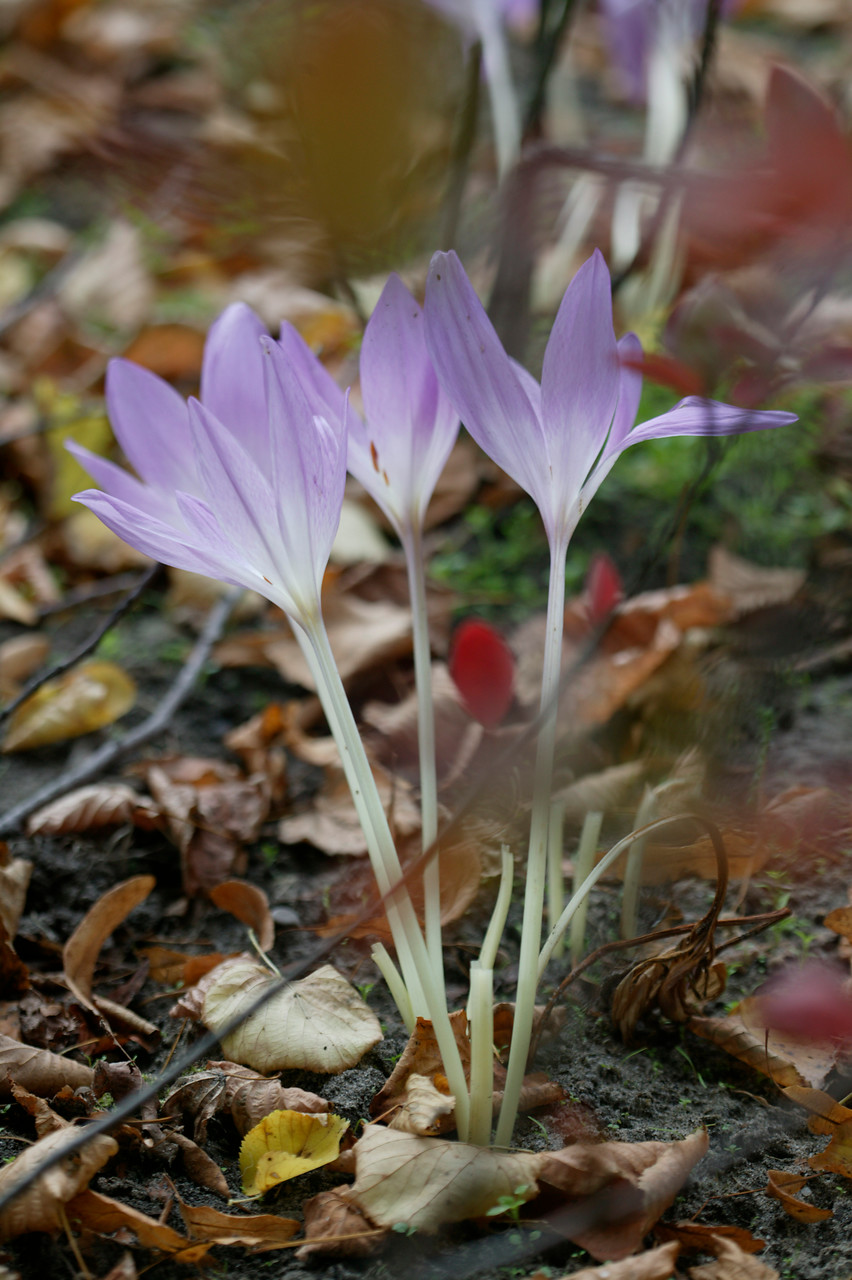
70	418
285	1144
89	697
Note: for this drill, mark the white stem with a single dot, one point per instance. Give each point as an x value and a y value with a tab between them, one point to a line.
501	88
396	986
555	879
580	895
646	812
488	951
426	996
413	545
480	1012
537	856
583	864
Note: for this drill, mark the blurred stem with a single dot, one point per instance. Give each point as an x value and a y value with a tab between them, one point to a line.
396	986
584	861
480	1012
488	951
462	147
413	545
537	856
555	880
646	812
426	996
549	39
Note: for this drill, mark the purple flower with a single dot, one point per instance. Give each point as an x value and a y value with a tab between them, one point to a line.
244	485
558	440
635	27
399	452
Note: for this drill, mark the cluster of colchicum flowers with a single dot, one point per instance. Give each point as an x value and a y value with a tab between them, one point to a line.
246	485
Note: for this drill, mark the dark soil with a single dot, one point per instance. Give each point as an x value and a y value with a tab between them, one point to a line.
661	1087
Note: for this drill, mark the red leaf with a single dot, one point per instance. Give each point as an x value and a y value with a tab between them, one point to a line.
811	1002
603	587
483	669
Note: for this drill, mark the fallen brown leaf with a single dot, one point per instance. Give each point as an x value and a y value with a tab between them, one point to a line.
335	1224
90	808
332	823
14	878
732	1263
700	1237
260	1233
245	1094
654	1264
656	1169
250	905
81	951
785	1061
827	1117
38	1070
40	1207
783	1186
104	1216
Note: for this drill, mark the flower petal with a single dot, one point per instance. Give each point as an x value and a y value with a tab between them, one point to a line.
696	416
411	424
121	484
232	377
481	381
580	377
150	422
149	535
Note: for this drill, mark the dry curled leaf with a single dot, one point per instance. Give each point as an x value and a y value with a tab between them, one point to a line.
286	1144
783	1186
732	1263
655	1170
89	697
245	1094
654	1264
39	1208
334	1223
108	804
250	905
317	1024
259	1232
103	1215
786	1062
14	878
38	1070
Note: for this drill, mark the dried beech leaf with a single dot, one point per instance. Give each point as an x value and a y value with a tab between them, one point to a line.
286	1144
317	1024
89	697
38	1070
332	823
840	921
104	1216
428	1182
657	1170
249	1096
260	1233
38	1208
783	1186
250	905
423	1107
654	1264
702	1237
81	951
732	1263
90	808
827	1116
200	1167
335	1224
786	1062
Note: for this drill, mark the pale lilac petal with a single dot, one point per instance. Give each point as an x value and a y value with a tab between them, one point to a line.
236	489
232	377
205	528
698	417
152	537
327	399
121	484
150	422
580	377
411	425
629	395
480	380
308	463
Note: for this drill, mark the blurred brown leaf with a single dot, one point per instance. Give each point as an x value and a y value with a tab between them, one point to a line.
89	697
40	1207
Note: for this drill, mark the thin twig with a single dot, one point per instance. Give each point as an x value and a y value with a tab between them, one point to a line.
107	755
547	47
86	646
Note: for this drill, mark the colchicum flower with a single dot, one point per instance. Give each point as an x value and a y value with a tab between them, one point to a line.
398	453
246	485
558	441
